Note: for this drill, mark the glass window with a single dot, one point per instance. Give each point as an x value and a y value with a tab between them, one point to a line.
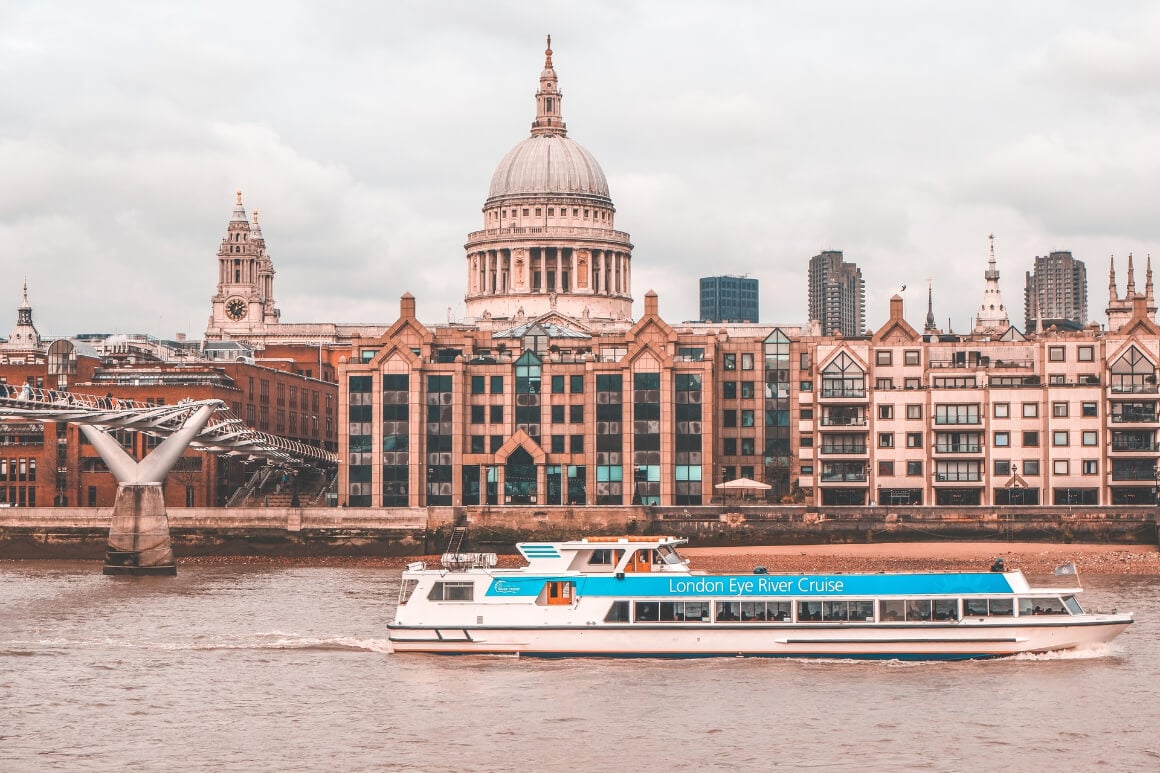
1059	410
1031	467
557	385
747	361
747	390
1085	354
747	418
914	411
1059	438
886	440
1003	467
913	357
807	413
914	440
1002	439
884	357
730	361
1002	410
1091	467
497	385
914	468
1030	410
886	411
886	469
729	390
477	384
1055	354
884	383
1089	437
1059	467
576	384
1090	409
1031	439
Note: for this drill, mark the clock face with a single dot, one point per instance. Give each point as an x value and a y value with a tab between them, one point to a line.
235	308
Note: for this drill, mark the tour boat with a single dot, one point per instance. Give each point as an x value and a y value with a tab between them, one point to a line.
636	597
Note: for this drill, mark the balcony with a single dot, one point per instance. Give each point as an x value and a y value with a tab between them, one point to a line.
843	421
966	476
844	449
843	477
1133	389
958	448
1134	418
845	394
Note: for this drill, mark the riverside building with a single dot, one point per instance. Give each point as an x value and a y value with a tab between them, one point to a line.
553	395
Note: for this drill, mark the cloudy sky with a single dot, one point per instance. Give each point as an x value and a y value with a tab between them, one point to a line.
736	137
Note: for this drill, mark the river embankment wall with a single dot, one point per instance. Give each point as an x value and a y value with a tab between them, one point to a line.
277	531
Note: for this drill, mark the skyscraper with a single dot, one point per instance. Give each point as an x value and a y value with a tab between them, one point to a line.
729	299
837	294
1056	292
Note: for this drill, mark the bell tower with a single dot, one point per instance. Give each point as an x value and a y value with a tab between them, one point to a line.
244	301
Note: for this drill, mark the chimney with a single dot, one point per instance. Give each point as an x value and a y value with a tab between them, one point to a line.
407	306
650	304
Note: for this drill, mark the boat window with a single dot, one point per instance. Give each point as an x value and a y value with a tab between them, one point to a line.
946	609
617	613
405	591
668	555
728	611
452	591
835	610
1042	605
687	611
861	610
988	607
893	610
646	611
918	609
809	611
1073	605
1001	607
602	557
753	611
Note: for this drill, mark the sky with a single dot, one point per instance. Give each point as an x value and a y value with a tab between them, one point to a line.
737	138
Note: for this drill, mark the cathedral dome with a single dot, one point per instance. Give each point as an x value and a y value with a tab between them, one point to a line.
548	164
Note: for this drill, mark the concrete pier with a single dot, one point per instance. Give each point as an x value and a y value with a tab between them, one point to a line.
139	541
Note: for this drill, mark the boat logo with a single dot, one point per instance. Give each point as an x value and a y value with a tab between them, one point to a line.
503	587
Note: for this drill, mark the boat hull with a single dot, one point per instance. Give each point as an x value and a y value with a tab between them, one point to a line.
957	641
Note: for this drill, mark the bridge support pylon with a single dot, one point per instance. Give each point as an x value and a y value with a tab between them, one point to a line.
139	542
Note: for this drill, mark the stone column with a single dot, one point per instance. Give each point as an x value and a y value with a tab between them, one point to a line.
139	542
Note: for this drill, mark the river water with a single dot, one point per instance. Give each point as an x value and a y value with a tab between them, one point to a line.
247	668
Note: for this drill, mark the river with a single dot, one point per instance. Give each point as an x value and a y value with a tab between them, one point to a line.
247	668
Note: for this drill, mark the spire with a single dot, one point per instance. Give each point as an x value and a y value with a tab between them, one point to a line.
255	229
239	211
548	101
1148	279
24	336
992	317
929	327
1130	290
1112	293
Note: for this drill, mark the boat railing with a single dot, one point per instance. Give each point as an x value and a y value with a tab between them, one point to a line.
461	562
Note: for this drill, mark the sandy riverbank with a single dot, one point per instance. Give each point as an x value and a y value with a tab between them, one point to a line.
1034	558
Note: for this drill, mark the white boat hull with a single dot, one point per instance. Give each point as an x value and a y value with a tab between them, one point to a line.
954	641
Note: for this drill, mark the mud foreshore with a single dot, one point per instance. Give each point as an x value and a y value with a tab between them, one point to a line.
1032	558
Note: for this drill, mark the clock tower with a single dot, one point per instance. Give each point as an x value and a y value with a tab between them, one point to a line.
244	302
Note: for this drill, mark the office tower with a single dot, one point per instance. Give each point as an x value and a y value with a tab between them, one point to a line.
1056	292
837	294
728	299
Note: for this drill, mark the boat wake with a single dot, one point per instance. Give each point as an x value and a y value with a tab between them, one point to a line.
274	640
1086	652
